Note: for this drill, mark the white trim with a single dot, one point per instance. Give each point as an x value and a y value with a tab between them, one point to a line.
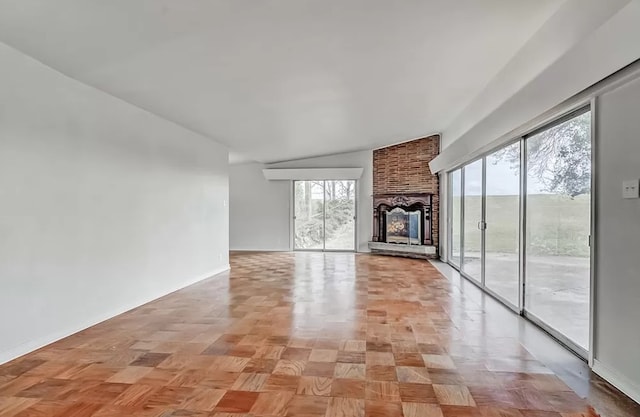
33	345
615	378
310	174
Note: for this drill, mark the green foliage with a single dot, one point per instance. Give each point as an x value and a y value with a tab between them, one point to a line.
560	157
557	225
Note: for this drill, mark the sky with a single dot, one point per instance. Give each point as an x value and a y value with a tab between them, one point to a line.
502	179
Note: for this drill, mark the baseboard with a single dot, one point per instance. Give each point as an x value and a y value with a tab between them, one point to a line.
283	250
259	250
33	345
615	378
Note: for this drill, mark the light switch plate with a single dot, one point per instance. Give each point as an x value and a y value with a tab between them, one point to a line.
630	189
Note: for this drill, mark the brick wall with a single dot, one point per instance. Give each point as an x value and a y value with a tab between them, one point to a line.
404	168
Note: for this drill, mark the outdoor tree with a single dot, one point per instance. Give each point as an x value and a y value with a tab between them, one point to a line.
560	157
316	199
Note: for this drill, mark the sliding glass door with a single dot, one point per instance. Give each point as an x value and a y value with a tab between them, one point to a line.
340	215
539	185
502	216
456	217
473	224
324	215
309	215
558	222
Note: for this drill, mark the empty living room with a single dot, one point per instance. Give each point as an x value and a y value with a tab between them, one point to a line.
306	208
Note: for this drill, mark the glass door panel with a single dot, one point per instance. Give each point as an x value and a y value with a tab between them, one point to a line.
456	216
472	215
340	212
324	215
309	215
502	217
558	219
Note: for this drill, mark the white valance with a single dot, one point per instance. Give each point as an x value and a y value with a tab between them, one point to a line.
286	174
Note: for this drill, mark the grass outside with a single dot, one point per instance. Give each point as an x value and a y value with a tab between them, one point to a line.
557	225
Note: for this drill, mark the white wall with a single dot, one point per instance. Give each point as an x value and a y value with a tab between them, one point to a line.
258	210
574	21
103	206
267	226
588	62
617	343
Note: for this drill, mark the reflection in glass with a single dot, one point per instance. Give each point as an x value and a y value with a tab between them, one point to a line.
403	226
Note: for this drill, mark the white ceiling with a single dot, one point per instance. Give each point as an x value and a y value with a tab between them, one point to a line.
282	79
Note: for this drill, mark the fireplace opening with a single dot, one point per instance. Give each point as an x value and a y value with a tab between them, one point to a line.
402	219
403	226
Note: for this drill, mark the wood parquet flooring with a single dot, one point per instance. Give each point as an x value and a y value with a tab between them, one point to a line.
282	334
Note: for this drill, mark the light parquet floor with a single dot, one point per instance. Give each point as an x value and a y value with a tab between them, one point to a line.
284	334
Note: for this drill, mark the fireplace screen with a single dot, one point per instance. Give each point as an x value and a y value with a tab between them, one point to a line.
403	226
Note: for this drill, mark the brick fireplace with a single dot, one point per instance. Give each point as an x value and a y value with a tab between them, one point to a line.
406	199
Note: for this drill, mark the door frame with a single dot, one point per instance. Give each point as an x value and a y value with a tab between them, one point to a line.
450	219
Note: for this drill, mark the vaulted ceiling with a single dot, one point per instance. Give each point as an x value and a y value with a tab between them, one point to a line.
283	79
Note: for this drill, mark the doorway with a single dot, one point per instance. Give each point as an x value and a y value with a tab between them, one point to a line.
324	215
